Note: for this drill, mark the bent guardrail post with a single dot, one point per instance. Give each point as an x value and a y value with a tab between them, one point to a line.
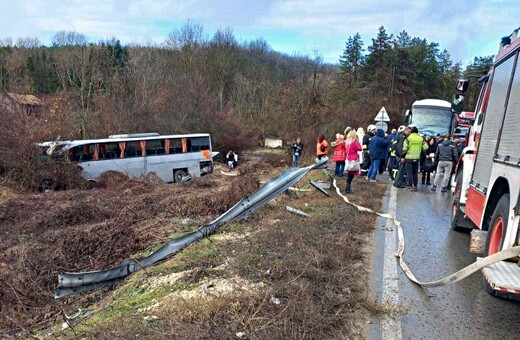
75	283
319	187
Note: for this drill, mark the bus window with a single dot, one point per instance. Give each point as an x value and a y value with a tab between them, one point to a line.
133	149
109	151
198	144
154	147
175	146
82	153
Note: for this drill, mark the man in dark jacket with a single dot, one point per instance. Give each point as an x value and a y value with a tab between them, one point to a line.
445	155
378	147
392	163
371	129
297	149
400	176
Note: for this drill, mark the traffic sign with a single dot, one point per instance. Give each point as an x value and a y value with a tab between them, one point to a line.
382	116
381	125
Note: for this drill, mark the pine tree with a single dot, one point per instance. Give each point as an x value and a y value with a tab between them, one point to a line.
380	46
352	58
379	65
403	40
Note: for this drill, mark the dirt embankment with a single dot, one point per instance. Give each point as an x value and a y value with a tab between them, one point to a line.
273	276
42	235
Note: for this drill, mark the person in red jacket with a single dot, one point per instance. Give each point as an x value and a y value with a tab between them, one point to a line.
352	166
339	154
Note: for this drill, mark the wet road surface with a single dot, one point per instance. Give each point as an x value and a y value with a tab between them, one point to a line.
463	310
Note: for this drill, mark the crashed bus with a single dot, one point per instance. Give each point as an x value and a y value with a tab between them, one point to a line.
433	116
170	157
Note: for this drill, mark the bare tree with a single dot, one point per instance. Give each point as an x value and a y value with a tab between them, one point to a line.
6	42
28	42
68	38
190	35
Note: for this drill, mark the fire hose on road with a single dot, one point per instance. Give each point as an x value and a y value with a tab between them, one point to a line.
455	277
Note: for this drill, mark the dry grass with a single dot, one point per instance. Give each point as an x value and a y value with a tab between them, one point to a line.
309	277
42	235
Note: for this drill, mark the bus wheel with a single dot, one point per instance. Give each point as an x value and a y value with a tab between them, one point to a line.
178	175
458	222
498	226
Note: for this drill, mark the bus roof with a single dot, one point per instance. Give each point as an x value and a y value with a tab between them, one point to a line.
432	102
72	143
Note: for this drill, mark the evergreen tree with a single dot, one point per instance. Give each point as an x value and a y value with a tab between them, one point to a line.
379	71
42	72
352	58
380	47
403	40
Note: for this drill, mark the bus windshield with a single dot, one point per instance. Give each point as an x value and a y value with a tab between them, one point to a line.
432	120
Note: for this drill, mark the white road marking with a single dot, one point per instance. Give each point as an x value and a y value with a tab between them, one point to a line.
391	327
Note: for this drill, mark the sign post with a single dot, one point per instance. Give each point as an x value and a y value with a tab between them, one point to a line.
381	118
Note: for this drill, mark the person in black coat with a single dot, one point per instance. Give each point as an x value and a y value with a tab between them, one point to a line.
378	149
427	161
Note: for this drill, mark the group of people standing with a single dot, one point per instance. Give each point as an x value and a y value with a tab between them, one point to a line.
403	152
346	154
411	153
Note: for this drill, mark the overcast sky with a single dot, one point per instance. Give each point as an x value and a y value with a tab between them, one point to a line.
466	28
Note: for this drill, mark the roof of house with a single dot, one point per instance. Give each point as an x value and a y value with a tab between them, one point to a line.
25	99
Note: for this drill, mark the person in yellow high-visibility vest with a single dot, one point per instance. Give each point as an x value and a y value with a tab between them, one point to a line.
413	146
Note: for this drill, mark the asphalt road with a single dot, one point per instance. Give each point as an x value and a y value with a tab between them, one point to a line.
463	310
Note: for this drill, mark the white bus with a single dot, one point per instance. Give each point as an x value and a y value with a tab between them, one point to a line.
170	157
431	116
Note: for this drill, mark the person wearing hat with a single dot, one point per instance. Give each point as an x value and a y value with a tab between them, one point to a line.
413	147
371	131
393	164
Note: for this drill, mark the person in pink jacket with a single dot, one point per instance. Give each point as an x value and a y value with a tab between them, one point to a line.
352	166
339	154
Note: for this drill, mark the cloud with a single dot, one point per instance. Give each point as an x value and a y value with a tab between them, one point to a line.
466	27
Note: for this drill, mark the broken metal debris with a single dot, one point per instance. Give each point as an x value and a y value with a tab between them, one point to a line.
296	211
321	186
228	173
75	283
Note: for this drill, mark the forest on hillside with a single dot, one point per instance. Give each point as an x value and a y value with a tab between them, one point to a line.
240	92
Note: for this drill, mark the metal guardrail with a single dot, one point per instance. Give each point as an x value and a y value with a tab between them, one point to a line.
75	283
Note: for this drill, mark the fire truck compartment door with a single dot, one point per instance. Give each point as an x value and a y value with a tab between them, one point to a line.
509	149
492	124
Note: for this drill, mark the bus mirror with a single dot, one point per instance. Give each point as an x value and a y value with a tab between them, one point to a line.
407	117
457	103
462	85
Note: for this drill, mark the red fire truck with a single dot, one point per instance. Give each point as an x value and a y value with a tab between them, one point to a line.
487	177
462	123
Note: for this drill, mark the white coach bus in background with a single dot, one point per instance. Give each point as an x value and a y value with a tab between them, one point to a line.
170	157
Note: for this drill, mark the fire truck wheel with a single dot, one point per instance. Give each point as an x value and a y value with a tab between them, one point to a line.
458	222
497	226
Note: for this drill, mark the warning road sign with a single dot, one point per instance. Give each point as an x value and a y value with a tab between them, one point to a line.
382	116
